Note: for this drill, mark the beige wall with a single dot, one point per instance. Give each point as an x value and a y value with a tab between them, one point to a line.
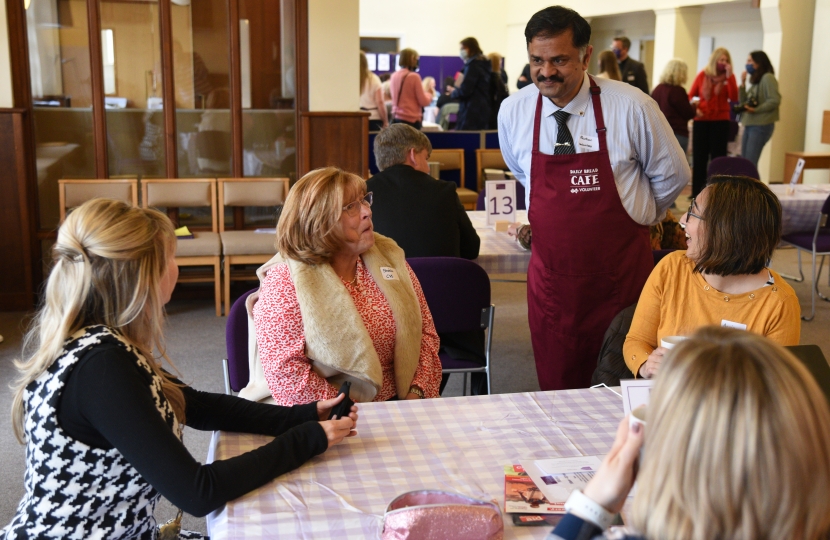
435	27
6	99
818	98
333	47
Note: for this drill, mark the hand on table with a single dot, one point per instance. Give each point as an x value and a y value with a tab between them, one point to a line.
513	229
652	363
610	486
337	430
324	408
412	396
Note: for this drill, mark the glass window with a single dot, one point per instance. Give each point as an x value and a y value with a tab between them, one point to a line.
266	35
202	71
62	97
135	119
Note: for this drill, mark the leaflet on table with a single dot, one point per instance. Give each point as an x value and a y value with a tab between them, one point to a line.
522	496
557	478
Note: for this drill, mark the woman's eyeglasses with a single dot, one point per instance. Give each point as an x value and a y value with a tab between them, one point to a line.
353	208
691	214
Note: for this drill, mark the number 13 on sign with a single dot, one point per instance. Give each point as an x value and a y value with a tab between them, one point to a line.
500	198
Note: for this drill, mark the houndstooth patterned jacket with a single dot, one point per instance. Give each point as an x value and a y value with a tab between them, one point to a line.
73	490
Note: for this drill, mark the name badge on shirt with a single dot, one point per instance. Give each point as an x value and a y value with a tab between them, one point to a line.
388	274
589	144
730	324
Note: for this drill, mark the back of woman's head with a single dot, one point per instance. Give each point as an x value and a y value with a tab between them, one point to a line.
408	58
741	227
737	444
108	262
675	73
608	64
364	71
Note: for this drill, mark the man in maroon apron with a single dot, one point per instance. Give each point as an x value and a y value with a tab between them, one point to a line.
589	258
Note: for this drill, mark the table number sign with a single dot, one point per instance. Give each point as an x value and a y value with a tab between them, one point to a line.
500	201
799	166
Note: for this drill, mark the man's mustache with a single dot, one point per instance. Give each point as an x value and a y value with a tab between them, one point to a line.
552	78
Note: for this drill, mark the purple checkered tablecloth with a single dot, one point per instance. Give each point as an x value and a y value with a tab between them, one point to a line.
455	444
801	209
499	253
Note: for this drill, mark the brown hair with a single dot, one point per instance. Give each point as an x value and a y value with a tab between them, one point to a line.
472	45
624	41
408	58
364	71
308	230
742	226
737	444
495	61
608	64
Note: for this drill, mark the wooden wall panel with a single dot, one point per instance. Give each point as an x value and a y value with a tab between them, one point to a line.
339	139
16	242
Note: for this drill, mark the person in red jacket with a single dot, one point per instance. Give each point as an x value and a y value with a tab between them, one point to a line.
716	87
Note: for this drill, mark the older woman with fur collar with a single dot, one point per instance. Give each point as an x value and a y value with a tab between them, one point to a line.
339	303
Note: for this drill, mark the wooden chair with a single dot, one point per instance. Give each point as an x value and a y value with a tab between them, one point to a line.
74	192
489	158
205	248
247	247
452	159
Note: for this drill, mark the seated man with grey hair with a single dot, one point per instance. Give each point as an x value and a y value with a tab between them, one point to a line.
422	214
426	218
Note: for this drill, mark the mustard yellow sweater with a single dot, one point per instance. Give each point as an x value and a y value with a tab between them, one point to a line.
676	301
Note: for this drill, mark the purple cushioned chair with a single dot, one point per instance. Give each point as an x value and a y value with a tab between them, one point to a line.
520	196
457	292
235	366
817	242
732	166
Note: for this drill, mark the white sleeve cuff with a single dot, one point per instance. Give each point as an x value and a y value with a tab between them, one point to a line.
583	507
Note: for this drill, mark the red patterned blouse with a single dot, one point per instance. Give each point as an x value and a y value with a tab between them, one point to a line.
281	340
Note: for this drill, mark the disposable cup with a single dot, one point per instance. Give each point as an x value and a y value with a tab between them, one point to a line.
669	342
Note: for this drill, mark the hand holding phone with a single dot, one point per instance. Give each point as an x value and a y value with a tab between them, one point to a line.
342	409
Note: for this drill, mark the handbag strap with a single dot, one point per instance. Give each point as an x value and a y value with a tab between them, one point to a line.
400	90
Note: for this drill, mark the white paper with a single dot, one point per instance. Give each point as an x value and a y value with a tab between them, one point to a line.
372	60
590	144
500	201
732	324
557	478
799	166
635	392
383	62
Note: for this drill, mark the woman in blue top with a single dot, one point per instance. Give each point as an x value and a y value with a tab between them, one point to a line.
736	446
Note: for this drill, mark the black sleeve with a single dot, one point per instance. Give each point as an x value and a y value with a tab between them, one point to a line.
641	79
112	395
207	412
470	243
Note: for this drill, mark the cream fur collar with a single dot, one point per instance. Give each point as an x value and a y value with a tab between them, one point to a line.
337	342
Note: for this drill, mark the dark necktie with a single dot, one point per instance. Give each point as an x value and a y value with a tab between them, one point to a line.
564	141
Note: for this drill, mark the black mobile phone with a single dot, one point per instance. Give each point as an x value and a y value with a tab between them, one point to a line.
342	409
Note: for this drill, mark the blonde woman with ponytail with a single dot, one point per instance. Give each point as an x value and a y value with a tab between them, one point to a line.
736	446
101	418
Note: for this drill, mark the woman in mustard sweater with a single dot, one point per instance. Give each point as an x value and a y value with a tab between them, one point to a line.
732	229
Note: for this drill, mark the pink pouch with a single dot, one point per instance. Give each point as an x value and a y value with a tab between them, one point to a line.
439	515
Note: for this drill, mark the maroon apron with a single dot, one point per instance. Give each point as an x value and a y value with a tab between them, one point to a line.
589	259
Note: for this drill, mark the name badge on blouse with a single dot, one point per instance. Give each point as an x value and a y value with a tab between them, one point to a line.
589	144
388	274
730	324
